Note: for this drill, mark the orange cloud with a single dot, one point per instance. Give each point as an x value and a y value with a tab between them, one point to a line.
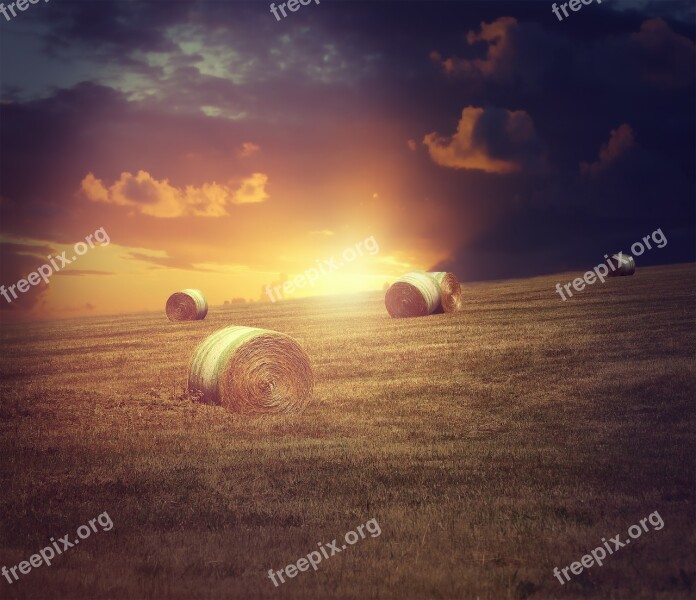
497	36
490	140
620	140
252	190
249	148
148	196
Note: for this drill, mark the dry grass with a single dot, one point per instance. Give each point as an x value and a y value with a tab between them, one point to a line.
491	445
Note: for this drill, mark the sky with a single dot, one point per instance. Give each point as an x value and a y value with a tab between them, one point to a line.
222	149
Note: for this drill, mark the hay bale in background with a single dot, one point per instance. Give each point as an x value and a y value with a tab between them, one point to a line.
624	265
415	294
249	370
450	291
187	305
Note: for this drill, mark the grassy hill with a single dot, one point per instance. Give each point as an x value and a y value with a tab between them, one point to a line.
490	445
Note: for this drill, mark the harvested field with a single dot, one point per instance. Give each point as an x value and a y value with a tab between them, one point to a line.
491	445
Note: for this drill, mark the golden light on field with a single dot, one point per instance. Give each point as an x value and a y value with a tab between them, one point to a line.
173	228
342	283
114	279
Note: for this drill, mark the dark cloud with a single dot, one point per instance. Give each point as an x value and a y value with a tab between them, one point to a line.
114	25
535	241
492	140
508	52
573	220
668	59
527	55
620	142
509	136
16	262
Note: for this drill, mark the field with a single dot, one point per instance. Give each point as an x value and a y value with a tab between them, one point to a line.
490	445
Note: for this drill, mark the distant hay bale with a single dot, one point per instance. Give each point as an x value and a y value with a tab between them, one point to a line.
450	291
415	294
187	305
624	265
251	371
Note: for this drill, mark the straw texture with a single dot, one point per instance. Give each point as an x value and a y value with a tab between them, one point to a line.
415	294
187	305
450	291
249	370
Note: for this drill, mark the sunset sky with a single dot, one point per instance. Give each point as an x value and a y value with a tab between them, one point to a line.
224	150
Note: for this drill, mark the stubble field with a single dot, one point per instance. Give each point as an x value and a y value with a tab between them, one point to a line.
491	446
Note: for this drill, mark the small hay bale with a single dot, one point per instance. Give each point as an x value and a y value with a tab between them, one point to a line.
450	291
623	264
415	294
187	305
251	371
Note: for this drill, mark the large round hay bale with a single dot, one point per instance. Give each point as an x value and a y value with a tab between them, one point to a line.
623	265
450	291
249	370
187	305
415	294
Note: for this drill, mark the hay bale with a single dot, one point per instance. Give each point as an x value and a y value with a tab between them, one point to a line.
450	291
249	370
623	264
415	294
187	305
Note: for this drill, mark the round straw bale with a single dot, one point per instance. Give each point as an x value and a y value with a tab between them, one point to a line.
624	265
187	305
415	294
450	291
249	370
